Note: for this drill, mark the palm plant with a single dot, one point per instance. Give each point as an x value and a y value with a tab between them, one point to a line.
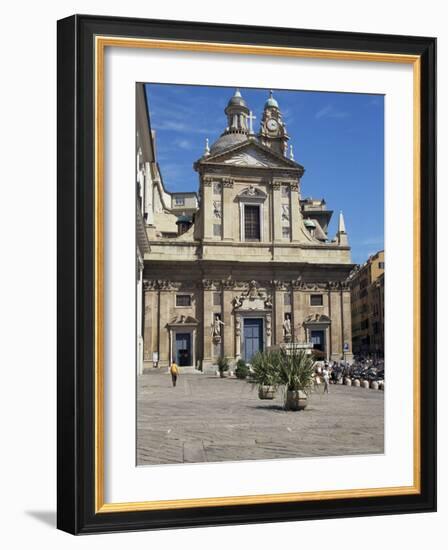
264	368
296	370
223	365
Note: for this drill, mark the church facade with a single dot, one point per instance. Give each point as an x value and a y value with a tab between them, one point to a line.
247	264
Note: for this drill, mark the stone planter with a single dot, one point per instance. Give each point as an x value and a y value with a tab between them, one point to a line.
296	400
266	392
374	385
365	384
348	381
356	383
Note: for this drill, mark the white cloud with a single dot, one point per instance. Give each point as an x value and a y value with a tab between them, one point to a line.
330	112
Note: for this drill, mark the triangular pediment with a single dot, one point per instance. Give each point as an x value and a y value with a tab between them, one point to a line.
251	154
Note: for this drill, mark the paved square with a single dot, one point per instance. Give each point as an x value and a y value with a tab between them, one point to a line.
209	419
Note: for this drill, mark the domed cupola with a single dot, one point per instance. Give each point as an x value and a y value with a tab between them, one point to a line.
271	102
237	113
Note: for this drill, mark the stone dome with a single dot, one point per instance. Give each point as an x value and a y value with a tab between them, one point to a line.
271	102
226	141
237	100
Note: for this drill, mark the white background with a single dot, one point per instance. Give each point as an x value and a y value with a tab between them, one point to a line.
28	274
124	482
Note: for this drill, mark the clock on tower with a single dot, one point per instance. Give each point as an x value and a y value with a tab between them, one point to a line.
272	130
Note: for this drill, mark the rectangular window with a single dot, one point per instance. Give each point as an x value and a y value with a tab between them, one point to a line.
316	299
216	298
216	229
251	222
381	265
183	300
286	232
287	298
179	201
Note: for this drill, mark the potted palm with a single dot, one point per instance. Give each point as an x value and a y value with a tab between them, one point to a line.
264	373
295	372
223	366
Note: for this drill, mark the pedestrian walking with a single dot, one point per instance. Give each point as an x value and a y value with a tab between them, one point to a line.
174	371
326	379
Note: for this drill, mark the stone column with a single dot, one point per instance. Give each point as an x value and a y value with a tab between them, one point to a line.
228	210
299	313
277	212
166	297
150	315
207	207
279	312
228	329
295	213
237	336
207	309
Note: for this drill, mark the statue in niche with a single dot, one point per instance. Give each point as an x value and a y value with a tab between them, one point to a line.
216	328
287	327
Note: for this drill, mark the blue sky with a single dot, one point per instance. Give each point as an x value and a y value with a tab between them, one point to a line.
337	137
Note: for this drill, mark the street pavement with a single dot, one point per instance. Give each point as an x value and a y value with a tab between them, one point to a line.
209	419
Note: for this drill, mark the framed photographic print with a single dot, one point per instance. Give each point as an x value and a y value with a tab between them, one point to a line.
230	348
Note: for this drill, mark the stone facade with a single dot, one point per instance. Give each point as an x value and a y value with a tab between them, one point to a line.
252	267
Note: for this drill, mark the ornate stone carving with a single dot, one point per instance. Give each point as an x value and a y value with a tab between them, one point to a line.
294	186
317	318
276	185
217	209
207	181
228	284
278	285
285	212
252	298
150	285
208	284
227	183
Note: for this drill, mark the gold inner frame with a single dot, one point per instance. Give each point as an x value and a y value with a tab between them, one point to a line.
101	42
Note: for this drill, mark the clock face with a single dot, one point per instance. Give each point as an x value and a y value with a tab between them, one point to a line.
272	124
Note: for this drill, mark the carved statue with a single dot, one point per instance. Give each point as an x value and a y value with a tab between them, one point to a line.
287	326
217	323
237	302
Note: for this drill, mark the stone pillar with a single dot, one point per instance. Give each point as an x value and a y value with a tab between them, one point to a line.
207	207
228	329
237	336
164	318
150	316
336	324
299	313
295	213
207	309
279	312
228	210
277	212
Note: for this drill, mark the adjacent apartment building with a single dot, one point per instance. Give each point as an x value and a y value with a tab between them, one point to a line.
367	294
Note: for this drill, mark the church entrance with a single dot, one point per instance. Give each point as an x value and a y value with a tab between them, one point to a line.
183	349
253	338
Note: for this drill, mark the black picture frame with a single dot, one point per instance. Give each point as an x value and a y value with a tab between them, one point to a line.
76	256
